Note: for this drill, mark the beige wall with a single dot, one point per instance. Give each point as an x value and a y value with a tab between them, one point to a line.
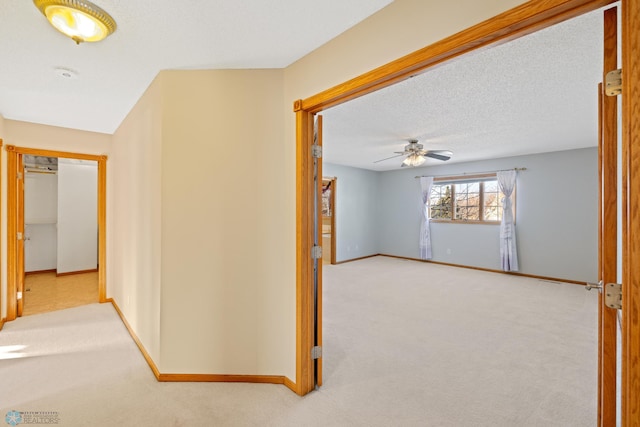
133	218
201	193
221	164
32	135
397	30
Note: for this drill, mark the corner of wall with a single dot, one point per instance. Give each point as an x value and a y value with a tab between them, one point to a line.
207	195
134	218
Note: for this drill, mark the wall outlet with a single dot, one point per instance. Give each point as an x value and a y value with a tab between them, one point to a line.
448	251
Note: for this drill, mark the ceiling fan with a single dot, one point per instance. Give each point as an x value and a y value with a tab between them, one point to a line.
416	154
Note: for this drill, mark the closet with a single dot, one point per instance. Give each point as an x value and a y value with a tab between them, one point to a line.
60	215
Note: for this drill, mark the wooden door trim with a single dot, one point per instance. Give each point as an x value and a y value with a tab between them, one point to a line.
13	220
318	298
304	243
334	189
2	297
12	230
332	182
519	21
608	233
512	24
631	213
20	242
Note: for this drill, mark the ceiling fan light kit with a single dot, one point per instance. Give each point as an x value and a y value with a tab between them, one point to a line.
417	155
80	20
413	160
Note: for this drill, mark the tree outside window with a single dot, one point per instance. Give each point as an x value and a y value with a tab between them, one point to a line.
469	201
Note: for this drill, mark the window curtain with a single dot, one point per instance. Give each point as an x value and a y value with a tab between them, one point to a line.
426	182
508	252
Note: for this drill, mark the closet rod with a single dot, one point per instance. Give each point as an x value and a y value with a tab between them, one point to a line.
46	172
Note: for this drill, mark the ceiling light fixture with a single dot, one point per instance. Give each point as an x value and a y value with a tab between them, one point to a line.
413	160
81	20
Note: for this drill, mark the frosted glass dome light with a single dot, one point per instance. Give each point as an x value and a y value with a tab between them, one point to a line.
80	20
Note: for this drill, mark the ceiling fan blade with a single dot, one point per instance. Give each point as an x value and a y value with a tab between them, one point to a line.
443	155
392	157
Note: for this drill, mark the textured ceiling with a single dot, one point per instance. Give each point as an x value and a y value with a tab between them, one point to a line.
152	36
535	94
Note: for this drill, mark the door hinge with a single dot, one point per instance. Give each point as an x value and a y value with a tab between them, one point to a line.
613	83
19	236
316	252
316	151
613	295
316	352
19	175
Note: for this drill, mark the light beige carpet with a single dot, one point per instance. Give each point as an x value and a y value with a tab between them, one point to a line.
406	344
412	343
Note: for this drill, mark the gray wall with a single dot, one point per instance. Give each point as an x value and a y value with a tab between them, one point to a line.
556	215
356	211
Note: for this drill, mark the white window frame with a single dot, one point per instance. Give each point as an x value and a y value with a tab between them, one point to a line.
461	179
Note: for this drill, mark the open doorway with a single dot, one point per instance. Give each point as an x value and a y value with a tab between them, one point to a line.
16	220
446	122
60	233
307	108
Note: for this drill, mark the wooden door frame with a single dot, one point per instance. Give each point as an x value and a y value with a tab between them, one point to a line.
334	183
2	297
14	222
608	226
630	213
317	321
20	229
517	22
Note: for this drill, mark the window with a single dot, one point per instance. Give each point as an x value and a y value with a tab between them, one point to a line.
475	199
492	201
467	201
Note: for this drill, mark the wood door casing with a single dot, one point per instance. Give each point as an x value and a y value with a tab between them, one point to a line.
15	222
630	10
12	230
318	299
333	183
608	232
20	237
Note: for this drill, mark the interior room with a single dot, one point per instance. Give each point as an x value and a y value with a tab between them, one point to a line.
522	116
200	118
60	229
